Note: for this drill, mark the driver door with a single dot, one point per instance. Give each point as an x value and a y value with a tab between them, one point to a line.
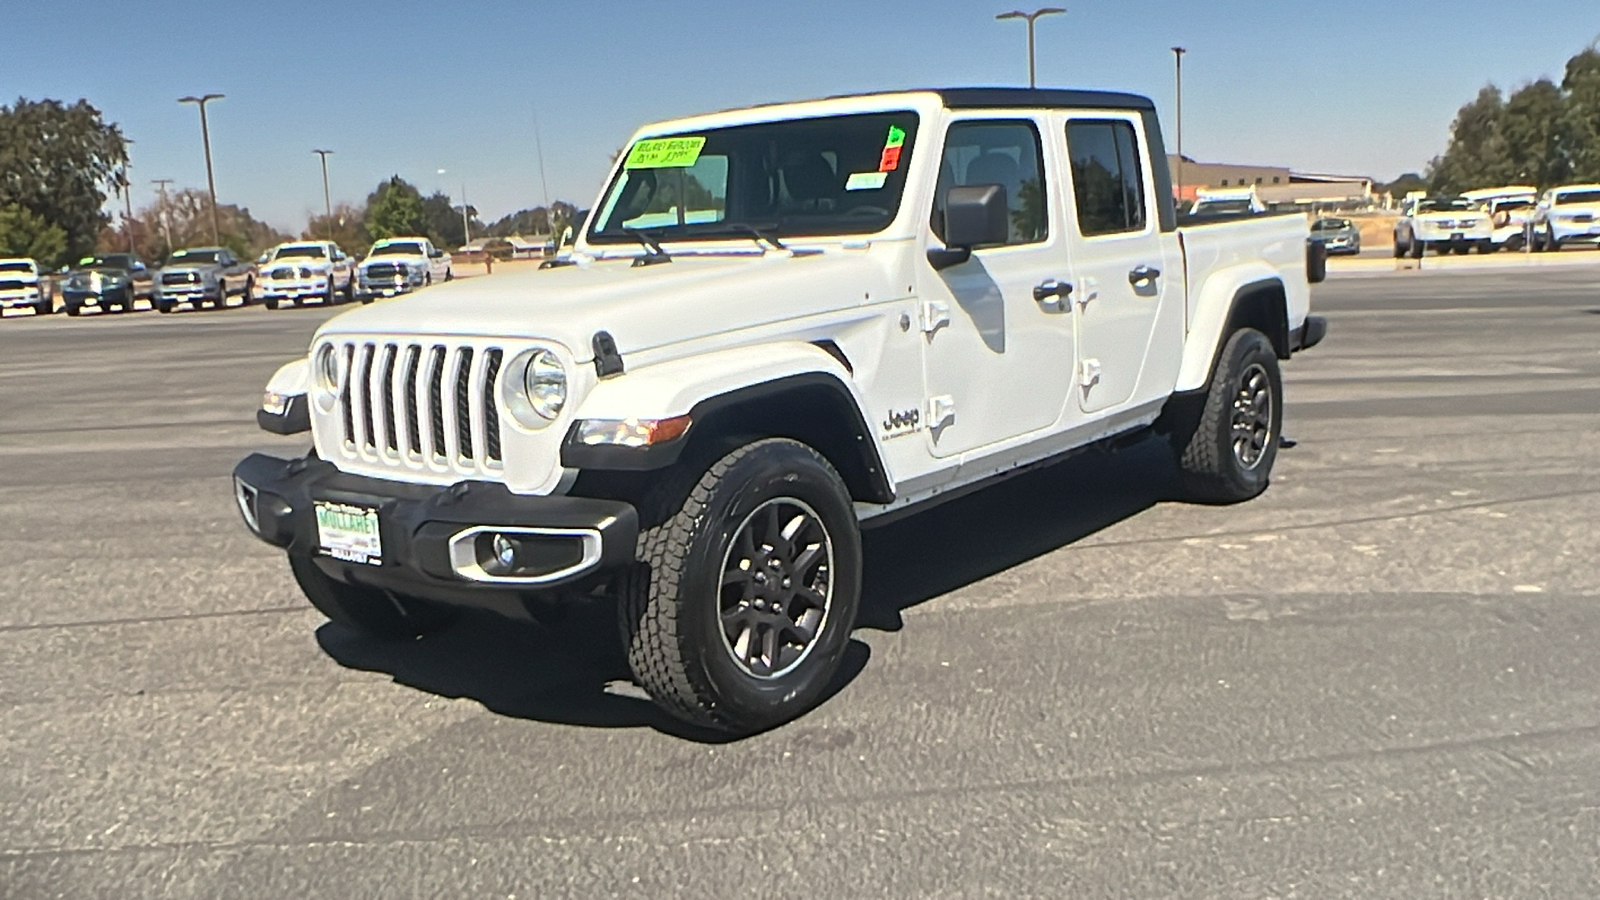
997	362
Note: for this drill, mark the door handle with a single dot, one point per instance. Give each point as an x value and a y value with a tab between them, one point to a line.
1051	288
1143	274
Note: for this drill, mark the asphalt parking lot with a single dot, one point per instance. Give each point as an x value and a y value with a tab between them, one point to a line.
1380	679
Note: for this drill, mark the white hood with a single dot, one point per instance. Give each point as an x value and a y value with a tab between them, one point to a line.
642	307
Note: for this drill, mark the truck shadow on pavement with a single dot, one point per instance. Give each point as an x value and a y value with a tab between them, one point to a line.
574	671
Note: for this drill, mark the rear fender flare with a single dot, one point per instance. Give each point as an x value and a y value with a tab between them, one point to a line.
1217	311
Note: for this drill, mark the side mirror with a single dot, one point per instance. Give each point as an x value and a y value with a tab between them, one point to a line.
974	216
436	254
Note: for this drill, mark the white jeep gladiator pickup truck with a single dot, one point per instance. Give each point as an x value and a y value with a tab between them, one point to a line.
779	324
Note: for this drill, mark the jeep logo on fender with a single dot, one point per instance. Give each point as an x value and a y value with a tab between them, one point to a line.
902	419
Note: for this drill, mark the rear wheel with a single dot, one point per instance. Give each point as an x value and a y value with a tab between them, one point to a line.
1228	456
739	611
1417	248
1399	248
367	610
44	307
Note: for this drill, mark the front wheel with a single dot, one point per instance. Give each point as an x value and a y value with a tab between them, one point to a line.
44	307
367	610
166	306
1228	456
740	608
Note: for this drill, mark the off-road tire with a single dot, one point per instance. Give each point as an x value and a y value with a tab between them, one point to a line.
370	611
1210	470
671	600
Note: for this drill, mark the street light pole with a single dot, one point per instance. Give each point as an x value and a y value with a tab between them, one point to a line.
1030	17
327	202
127	198
166	226
211	181
466	230
1177	56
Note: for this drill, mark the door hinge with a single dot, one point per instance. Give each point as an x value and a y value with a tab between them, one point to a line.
1089	373
935	315
941	410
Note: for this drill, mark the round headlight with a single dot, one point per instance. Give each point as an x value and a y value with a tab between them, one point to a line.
544	382
326	369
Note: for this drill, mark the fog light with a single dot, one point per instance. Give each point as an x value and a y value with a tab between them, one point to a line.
505	553
246	497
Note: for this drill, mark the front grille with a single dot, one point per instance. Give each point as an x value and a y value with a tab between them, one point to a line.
180	277
15	285
422	404
283	273
384	271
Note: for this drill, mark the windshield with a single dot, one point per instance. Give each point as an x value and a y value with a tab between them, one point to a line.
1221	207
833	175
1577	197
405	249
1519	203
107	261
192	256
308	251
1456	205
1331	225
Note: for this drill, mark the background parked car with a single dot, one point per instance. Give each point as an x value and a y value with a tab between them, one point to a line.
1340	237
305	271
1565	215
106	281
203	275
1445	224
22	288
1509	209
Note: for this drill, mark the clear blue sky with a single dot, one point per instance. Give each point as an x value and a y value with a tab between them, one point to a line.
408	88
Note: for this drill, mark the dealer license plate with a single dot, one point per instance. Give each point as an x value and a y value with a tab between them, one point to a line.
1458	237
349	533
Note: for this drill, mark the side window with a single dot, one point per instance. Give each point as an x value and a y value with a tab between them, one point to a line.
1106	176
996	152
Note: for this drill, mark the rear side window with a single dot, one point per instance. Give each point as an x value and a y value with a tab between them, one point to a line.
996	152
1107	179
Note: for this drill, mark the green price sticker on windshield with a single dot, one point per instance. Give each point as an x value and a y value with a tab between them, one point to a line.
665	153
897	137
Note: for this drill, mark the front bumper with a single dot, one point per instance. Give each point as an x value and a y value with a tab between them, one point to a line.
1342	246
24	299
428	533
385	287
1576	232
293	290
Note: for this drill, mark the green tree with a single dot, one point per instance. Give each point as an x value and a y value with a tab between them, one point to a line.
1405	184
1538	142
1582	125
395	209
444	221
60	162
1477	154
346	227
24	234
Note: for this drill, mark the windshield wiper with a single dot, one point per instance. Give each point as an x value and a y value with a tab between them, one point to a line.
759	233
653	252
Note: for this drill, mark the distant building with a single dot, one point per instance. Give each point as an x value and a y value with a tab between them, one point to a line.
1278	187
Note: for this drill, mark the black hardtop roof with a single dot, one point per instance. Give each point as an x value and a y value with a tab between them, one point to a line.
1004	98
1037	98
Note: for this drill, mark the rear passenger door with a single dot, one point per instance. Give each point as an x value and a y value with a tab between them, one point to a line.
1117	251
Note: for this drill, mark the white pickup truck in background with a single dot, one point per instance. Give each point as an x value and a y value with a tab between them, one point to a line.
1565	216
780	324
22	288
400	265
